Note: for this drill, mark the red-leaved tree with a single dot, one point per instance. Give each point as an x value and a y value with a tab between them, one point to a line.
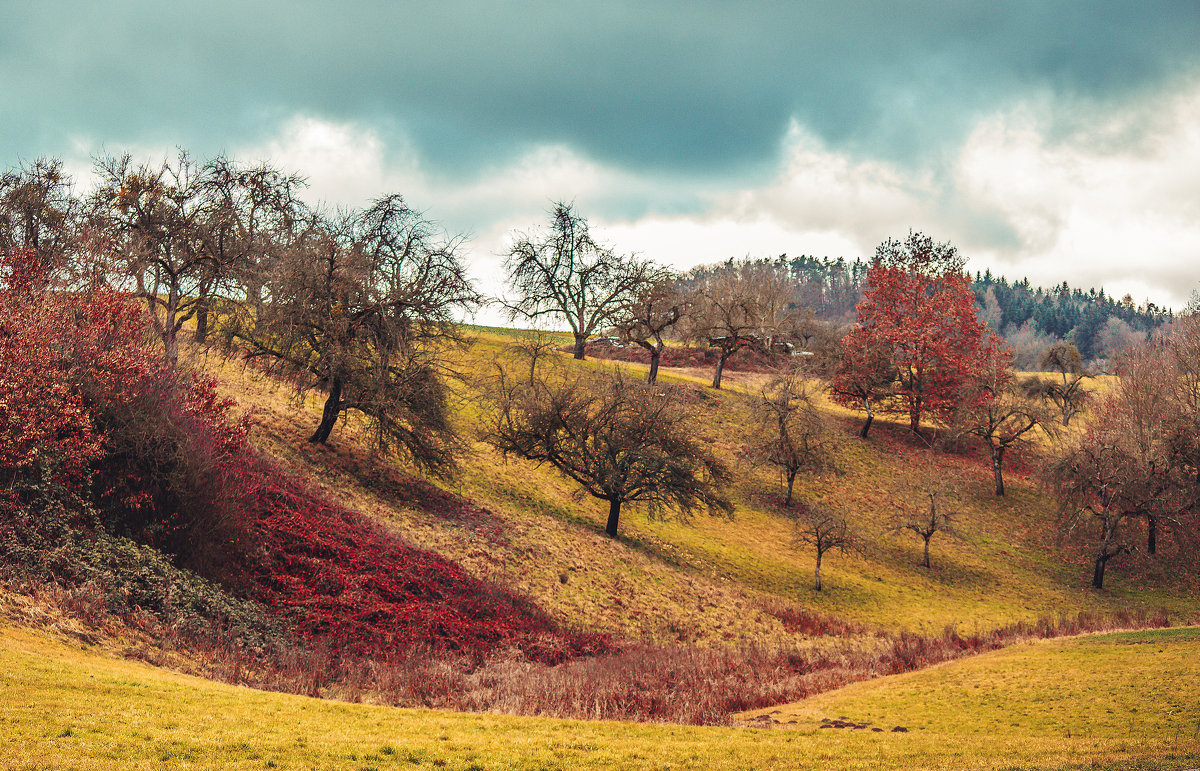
45	430
918	308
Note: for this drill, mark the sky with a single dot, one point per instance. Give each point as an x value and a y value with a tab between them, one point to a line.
1058	141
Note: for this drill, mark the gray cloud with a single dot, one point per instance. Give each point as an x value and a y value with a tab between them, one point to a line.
690	87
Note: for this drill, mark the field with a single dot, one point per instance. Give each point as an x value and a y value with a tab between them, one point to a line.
1072	703
703	614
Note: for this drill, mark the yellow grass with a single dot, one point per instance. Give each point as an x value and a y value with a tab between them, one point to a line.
62	707
706	582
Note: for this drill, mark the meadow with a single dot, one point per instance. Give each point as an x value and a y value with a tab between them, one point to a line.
697	620
1070	703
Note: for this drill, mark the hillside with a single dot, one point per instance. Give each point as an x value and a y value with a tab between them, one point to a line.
345	574
714	582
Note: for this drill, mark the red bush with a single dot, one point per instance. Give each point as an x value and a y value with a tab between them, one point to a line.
44	426
345	578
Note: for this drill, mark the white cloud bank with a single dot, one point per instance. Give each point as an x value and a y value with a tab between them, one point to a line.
1106	206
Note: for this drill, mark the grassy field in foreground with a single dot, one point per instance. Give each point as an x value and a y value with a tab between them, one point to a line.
1129	700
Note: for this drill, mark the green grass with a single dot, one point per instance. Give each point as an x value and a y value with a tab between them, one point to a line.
1138	685
66	708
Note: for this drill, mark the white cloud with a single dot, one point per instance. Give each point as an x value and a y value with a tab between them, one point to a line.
1091	211
1094	207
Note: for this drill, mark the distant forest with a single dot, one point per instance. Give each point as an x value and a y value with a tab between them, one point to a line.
1029	318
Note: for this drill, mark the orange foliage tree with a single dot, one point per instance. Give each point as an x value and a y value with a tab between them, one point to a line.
919	310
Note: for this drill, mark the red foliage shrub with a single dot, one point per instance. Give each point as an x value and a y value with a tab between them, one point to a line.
344	578
44	426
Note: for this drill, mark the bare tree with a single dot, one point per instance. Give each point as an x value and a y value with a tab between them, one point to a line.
1146	405
910	513
362	307
1094	482
1067	393
39	211
155	216
994	409
790	433
821	528
1136	460
250	211
562	272
1183	350
777	309
727	310
656	307
620	441
534	346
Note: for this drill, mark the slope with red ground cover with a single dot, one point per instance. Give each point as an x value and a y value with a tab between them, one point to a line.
154	453
346	579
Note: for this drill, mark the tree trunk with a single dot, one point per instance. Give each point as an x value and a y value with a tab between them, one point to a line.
655	355
580	346
720	368
171	346
997	462
614	514
870	418
202	319
926	563
168	331
329	416
1151	533
791	482
1098	575
817	572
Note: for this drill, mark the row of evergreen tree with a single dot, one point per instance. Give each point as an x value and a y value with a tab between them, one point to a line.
1028	316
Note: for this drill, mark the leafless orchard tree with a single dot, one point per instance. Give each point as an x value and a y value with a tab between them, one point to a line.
734	306
249	212
821	528
620	441
362	305
656	307
1067	393
1147	406
39	211
790	432
1094	481
995	409
1183	353
778	311
154	217
910	512
562	272
1120	471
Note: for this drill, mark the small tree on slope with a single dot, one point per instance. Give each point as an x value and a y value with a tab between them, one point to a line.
618	440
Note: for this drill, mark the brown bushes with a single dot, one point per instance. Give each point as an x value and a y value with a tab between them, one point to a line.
675	685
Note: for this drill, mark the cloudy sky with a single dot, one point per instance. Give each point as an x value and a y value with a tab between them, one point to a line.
1053	140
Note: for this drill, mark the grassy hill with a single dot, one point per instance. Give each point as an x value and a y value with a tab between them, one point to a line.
1071	703
707	616
717	582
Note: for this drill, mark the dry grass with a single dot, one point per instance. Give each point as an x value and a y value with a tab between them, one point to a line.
689	685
